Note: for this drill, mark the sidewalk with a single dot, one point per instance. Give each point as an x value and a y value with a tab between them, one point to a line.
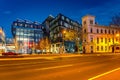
51	56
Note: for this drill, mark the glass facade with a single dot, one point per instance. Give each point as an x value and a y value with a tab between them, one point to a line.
27	34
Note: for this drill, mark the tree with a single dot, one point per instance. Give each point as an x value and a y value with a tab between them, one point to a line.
73	35
115	20
47	44
44	44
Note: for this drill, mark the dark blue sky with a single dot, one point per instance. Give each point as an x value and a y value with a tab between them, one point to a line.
38	10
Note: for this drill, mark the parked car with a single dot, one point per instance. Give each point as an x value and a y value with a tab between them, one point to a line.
9	53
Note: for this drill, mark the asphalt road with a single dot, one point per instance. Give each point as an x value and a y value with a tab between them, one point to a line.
60	68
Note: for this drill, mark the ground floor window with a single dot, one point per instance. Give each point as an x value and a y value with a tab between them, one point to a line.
97	48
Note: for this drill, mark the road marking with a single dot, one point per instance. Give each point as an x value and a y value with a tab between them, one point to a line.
104	74
55	67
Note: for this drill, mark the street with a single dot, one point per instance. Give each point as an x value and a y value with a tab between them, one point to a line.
61	68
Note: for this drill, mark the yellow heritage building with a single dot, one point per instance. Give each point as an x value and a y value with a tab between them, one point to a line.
99	39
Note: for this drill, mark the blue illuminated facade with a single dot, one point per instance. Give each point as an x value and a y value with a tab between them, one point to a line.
27	35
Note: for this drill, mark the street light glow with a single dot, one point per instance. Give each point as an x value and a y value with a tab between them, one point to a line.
64	31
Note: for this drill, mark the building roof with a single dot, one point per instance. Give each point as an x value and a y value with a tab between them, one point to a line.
49	18
88	15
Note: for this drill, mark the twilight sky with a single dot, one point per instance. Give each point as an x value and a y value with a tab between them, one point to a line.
38	10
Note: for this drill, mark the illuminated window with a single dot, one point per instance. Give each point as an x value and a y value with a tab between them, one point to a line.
17	33
105	40
105	48
63	17
113	40
31	26
25	25
101	39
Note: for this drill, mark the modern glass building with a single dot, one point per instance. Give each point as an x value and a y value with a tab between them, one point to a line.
27	35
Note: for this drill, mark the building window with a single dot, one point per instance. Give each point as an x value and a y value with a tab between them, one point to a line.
112	32
84	22
101	31
101	39
84	40
105	40
91	30
84	30
105	31
67	20
31	26
113	40
109	39
63	17
91	21
97	40
101	48
25	25
15	24
105	48
97	30
109	31
65	24
91	39
97	48
116	39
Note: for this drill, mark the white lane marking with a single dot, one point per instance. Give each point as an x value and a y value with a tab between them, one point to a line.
54	67
104	74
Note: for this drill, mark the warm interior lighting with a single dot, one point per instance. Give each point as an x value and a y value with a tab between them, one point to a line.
117	35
